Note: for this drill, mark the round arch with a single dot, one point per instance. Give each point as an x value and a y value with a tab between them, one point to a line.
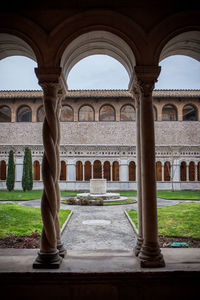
98	42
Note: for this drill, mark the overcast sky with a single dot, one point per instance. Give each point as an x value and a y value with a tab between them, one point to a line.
100	72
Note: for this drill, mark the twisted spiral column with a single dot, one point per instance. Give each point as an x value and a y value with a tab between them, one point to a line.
49	255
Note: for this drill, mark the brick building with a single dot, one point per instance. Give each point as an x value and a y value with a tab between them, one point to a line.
98	137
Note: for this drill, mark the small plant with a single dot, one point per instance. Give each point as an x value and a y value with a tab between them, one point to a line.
10	181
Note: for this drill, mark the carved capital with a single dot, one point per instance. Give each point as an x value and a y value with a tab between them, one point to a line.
146	77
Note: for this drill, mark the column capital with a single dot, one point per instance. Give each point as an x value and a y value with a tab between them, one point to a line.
146	76
52	77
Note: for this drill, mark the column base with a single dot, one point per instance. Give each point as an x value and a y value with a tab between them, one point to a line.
138	245
62	250
150	256
47	260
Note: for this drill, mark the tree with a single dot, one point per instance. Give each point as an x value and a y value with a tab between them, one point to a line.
27	177
10	181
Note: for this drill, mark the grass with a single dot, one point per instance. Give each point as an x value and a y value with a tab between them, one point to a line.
182	220
28	195
21	221
185	194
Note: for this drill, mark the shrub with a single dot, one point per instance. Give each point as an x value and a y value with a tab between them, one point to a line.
27	177
10	181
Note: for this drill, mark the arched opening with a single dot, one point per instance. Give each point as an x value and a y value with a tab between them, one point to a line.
155	113
158	171
127	113
63	170
115	171
40	114
36	170
132	171
79	171
183	171
167	171
106	170
67	114
96	43
5	114
191	171
169	113
107	113
97	169
86	113
190	113
3	170
88	171
24	114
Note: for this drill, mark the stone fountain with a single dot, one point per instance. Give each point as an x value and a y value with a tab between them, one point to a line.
98	190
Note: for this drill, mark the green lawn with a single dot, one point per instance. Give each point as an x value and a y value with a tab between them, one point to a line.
182	219
20	220
28	195
179	194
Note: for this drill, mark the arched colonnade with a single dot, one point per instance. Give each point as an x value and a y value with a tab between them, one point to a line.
56	51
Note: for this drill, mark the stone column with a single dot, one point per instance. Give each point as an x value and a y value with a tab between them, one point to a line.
51	248
150	254
83	171
137	96
71	171
163	171
111	179
123	170
92	170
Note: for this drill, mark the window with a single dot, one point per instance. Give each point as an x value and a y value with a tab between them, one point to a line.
79	171
97	169
63	170
190	113
127	113
167	171
131	168
86	114
67	114
107	113
183	171
24	114
5	115
158	171
106	170
115	171
40	114
36	170
191	171
88	171
198	171
3	170
169	113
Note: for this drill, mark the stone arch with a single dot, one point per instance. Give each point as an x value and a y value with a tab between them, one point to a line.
107	113
98	42
67	113
5	113
155	113
198	171
97	169
79	171
88	170
127	112
24	113
86	113
169	112
167	171
115	171
190	112
40	114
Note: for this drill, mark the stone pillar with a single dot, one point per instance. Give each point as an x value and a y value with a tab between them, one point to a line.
83	171
111	177
92	170
176	171
18	169
163	171
150	254
137	95
123	170
71	171
51	249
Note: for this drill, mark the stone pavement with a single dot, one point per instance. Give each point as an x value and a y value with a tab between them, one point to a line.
117	235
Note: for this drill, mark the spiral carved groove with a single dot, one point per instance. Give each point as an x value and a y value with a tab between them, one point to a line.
49	204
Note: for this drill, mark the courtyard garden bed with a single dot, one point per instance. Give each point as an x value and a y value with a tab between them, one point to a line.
177	223
20	226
